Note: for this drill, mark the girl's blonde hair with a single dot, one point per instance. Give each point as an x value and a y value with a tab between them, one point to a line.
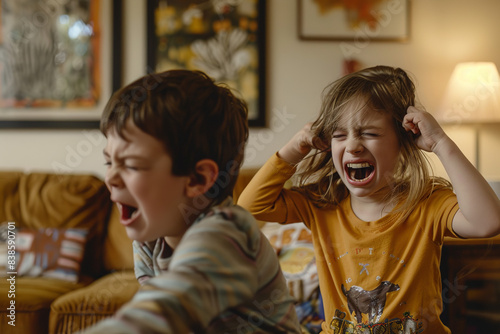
385	90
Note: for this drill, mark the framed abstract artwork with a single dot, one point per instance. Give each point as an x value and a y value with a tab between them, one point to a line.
355	21
224	39
56	66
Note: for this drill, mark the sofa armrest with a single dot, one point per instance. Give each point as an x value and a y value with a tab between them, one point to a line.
84	307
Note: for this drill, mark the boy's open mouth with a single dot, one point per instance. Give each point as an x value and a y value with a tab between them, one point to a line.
128	212
359	171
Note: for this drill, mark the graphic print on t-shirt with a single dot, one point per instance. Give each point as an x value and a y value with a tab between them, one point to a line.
405	325
370	302
367	293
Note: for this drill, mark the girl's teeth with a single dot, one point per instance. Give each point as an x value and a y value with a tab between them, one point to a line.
358	165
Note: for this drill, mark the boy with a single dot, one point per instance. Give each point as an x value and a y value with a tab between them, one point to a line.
175	145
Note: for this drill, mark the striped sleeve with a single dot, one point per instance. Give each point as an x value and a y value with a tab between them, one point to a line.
143	263
213	269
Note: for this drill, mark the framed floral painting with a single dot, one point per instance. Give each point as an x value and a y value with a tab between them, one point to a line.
56	67
356	21
223	38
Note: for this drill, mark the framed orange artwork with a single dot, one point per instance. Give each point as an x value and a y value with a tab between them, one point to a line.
357	21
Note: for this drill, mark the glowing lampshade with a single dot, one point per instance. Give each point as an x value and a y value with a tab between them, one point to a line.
472	95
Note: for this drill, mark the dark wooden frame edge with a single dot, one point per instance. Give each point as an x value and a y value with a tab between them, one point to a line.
261	120
116	80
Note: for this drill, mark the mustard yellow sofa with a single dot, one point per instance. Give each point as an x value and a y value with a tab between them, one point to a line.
43	205
74	263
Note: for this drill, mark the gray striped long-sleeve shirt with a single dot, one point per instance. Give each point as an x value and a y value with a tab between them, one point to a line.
224	277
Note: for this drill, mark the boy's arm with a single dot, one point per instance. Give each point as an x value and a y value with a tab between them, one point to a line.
211	270
479	214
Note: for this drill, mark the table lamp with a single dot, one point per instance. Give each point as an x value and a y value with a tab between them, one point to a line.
472	97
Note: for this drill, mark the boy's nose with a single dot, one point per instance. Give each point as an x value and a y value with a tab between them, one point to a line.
112	178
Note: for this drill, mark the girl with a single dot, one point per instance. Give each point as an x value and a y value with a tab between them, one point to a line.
377	217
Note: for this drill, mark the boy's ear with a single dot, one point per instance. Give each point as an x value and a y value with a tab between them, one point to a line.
204	177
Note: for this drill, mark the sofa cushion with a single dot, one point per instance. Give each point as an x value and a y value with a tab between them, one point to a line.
101	299
293	244
9	194
6	251
119	252
32	297
42	200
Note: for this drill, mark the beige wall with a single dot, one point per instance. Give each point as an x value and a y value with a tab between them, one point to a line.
443	33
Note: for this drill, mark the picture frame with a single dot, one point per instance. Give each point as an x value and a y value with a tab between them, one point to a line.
384	21
191	34
99	63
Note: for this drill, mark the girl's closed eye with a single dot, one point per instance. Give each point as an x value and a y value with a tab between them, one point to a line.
339	135
369	134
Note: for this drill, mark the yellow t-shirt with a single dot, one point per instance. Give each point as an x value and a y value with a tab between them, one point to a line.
380	273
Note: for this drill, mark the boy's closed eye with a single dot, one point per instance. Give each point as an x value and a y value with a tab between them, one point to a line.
107	158
131	167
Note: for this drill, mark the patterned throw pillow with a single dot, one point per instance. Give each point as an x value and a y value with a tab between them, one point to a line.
4	235
293	244
50	252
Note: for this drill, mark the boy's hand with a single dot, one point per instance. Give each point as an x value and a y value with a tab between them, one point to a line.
301	144
429	132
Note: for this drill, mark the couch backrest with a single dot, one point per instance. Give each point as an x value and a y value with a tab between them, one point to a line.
119	254
41	200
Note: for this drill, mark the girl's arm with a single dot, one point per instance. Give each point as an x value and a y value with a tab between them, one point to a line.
300	145
264	195
479	214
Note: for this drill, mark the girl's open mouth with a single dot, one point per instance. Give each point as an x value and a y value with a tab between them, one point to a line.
359	172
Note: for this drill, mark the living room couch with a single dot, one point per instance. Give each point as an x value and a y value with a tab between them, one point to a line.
43	213
39	207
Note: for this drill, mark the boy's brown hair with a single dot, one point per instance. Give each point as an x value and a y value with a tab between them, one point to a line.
192	116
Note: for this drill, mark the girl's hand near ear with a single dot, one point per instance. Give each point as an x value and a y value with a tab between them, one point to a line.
424	125
301	144
479	214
